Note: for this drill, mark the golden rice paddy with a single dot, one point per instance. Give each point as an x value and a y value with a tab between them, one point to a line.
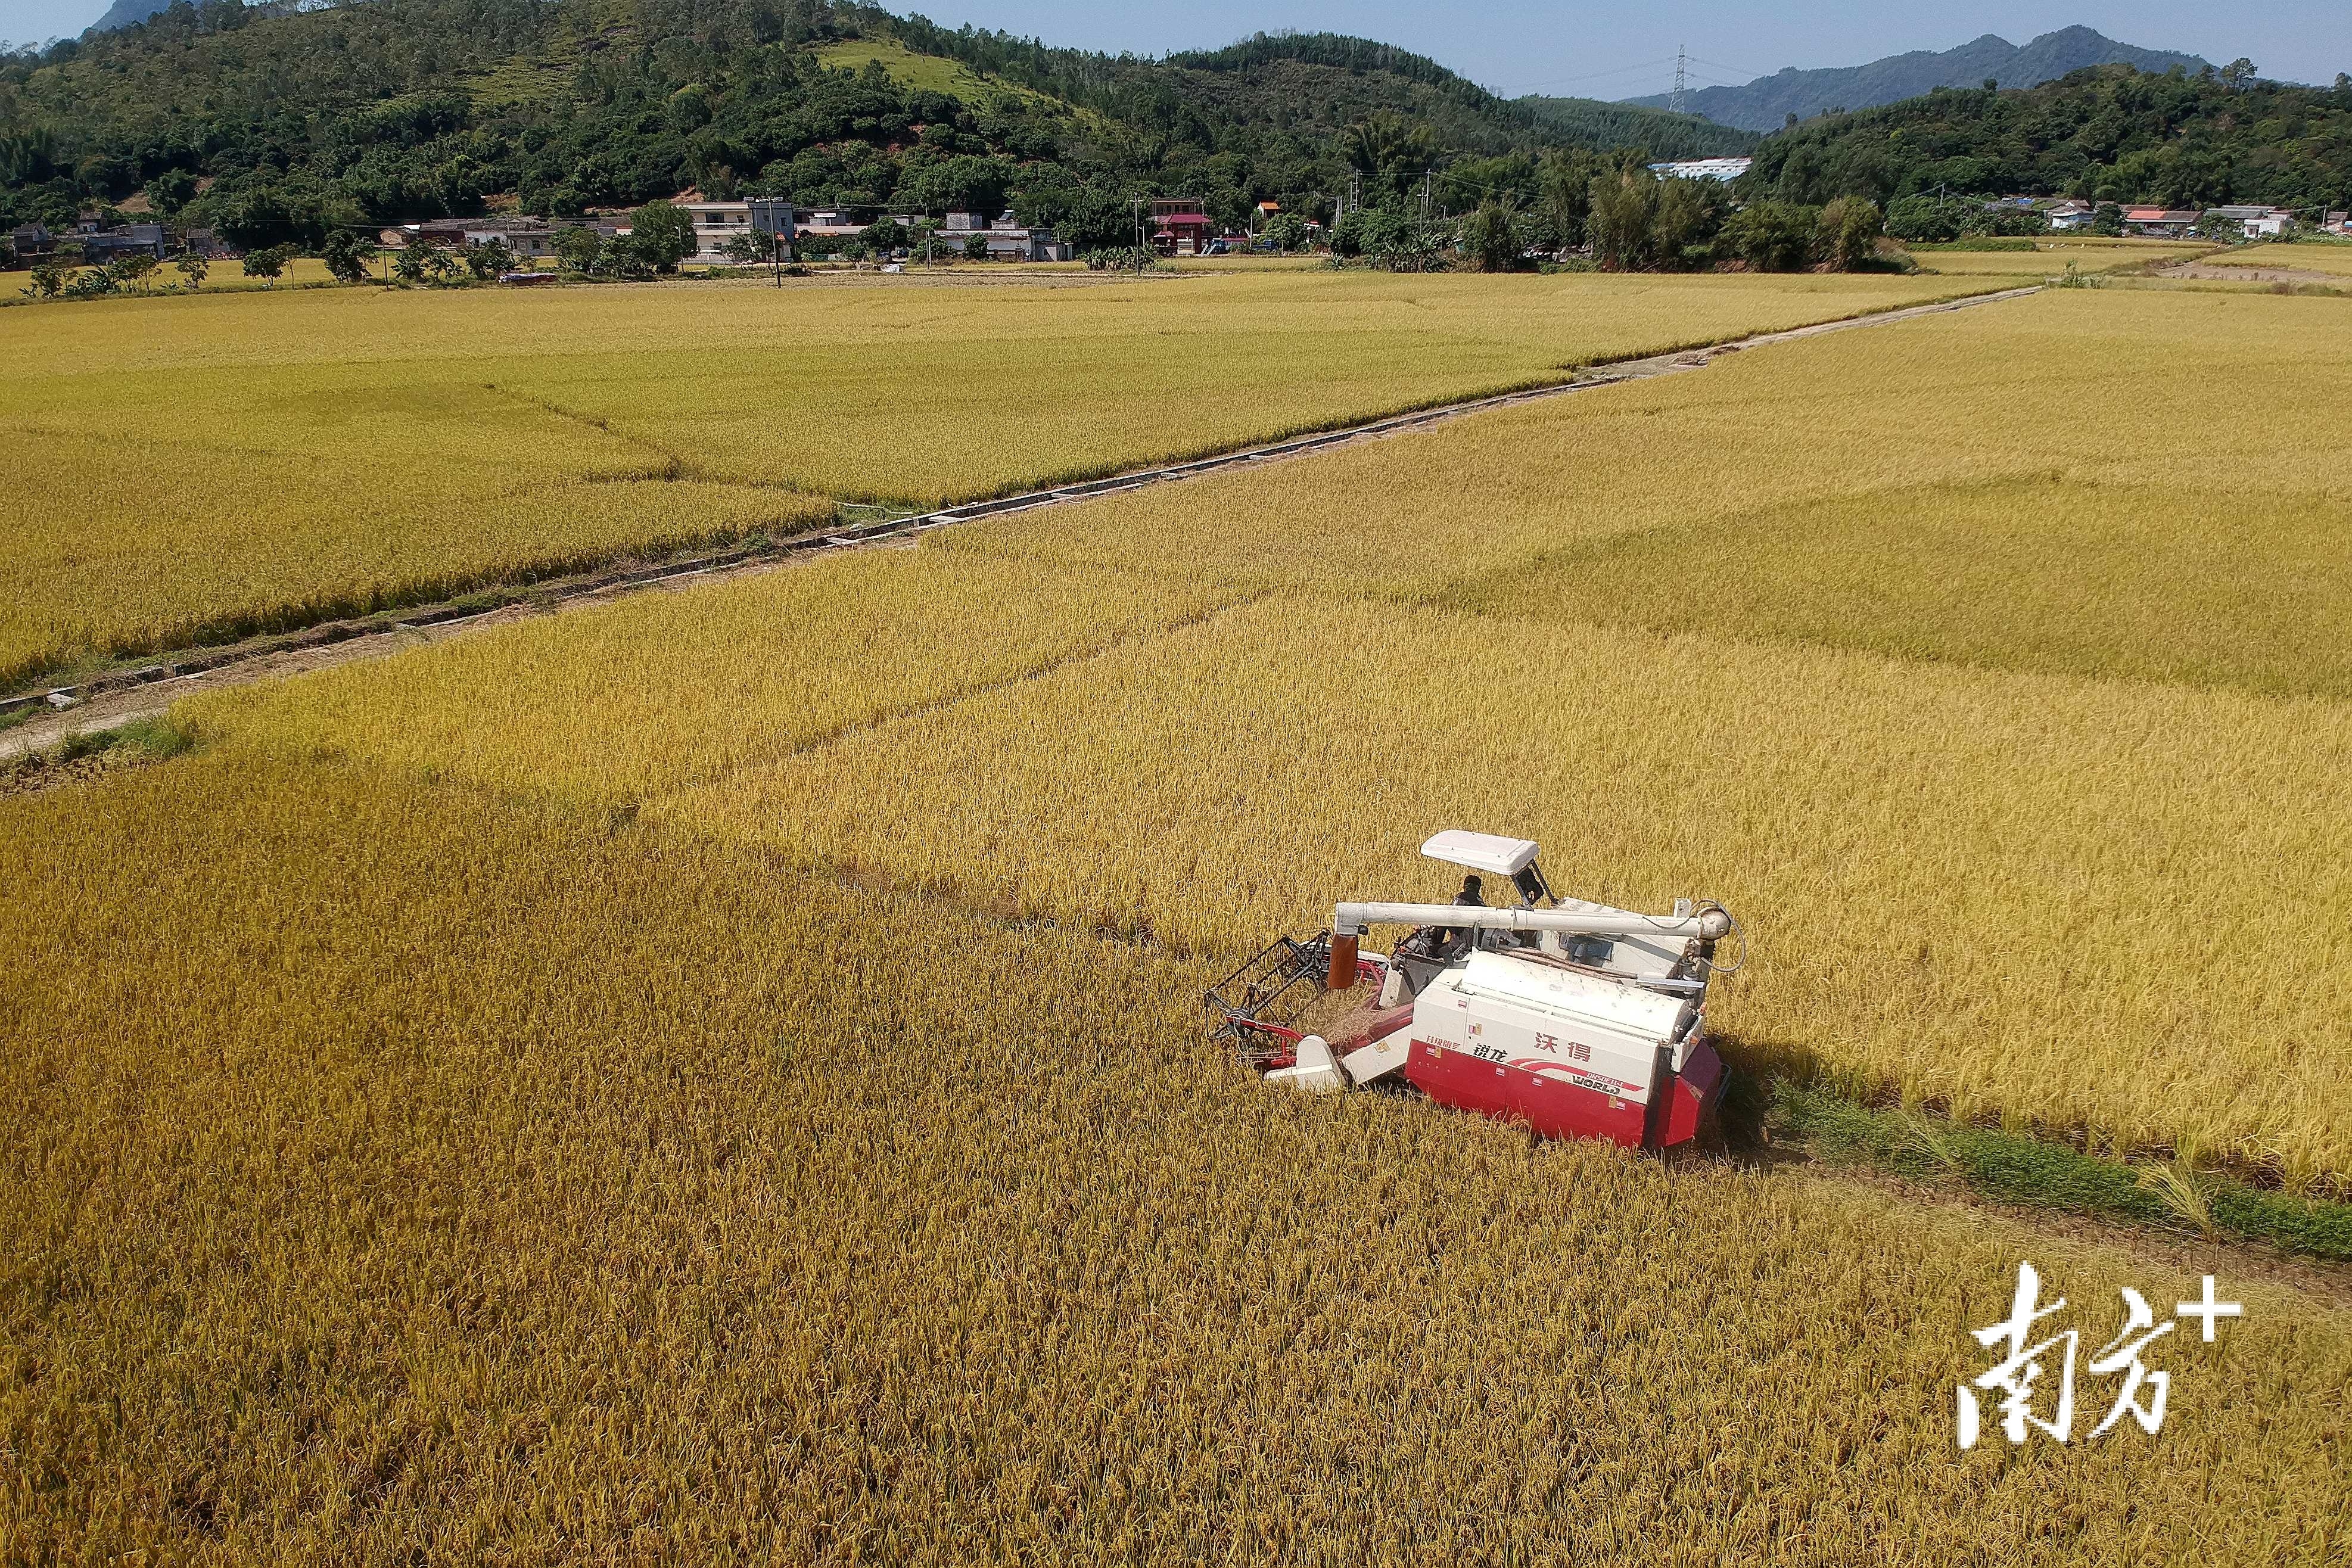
2319	255
424	1178
191	467
716	1077
1997	737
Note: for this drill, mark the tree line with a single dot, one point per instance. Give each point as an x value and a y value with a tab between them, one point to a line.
273	123
2105	134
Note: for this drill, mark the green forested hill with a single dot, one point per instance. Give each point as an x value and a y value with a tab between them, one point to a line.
1590	122
2107	134
276	123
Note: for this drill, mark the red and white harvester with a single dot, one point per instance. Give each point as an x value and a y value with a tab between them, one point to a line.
1579	1020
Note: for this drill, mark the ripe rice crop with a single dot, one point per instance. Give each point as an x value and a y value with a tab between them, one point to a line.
2141	582
605	706
2109	906
2106	514
2325	255
387	1176
2069	847
2049	257
188	465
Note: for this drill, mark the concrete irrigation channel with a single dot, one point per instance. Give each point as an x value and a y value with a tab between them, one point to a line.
107	701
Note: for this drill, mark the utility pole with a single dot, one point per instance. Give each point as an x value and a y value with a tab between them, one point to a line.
1682	60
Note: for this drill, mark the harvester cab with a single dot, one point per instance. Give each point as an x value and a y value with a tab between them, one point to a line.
1578	1019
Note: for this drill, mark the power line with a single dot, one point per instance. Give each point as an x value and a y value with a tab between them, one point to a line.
1589	75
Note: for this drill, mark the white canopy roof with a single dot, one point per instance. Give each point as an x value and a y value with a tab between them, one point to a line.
1482	851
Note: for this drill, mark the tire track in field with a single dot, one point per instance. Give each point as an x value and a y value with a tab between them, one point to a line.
107	701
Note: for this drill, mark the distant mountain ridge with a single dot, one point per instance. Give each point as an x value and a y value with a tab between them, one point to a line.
1766	104
123	13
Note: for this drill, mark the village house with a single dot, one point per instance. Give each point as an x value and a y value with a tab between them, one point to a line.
1007	240
2159	222
718	224
2259	222
101	244
523	236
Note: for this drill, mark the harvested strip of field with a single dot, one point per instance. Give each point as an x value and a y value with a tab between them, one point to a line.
418	1178
2329	257
190	464
2045	896
605	706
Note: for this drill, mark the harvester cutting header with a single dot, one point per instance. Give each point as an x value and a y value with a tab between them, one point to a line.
1578	1019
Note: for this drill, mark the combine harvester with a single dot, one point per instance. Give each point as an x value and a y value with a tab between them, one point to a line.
1581	1020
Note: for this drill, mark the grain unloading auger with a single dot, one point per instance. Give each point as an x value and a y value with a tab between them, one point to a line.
1578	1019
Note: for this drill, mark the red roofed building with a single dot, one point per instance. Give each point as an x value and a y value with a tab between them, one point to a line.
1180	227
2159	222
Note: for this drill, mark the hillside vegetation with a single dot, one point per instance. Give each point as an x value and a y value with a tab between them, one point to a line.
2109	134
276	123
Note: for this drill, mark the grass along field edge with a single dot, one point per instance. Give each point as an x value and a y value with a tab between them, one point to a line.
2182	1194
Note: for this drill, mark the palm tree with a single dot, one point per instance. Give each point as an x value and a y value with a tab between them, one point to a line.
1386	146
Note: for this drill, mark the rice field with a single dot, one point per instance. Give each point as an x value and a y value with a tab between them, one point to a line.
1969	617
506	1185
2312	256
688	689
1947	424
189	468
716	1075
1955	891
2049	257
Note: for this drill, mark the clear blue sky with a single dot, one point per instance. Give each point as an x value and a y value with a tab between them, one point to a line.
1606	50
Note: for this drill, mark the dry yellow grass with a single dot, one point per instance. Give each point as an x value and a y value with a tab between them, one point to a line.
415	1179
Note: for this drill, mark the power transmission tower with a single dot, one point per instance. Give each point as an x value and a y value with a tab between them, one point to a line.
1681	62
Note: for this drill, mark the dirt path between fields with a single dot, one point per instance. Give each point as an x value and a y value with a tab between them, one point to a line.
107	701
2250	274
